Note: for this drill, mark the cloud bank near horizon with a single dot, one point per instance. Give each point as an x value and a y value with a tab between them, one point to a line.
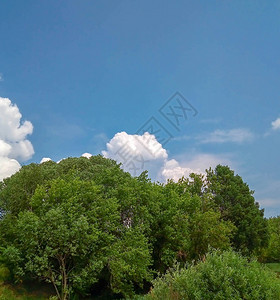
14	145
143	152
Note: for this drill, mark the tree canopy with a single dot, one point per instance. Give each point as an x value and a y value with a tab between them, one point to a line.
236	203
82	221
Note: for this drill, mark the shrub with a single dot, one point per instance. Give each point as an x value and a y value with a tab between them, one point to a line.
225	275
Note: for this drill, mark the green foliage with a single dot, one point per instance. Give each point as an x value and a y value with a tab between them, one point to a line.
272	252
235	201
65	238
187	224
12	258
225	275
129	262
17	190
85	222
208	230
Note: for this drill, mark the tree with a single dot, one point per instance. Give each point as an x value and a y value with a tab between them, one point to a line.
129	261
17	190
272	252
72	233
222	275
186	224
85	221
236	203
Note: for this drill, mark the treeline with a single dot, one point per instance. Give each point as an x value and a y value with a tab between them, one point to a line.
85	224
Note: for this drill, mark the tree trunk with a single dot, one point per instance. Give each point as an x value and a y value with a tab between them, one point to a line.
55	286
64	286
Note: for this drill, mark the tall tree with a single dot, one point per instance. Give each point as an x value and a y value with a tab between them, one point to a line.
236	203
71	233
186	224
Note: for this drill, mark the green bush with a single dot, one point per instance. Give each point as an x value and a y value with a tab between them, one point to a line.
225	275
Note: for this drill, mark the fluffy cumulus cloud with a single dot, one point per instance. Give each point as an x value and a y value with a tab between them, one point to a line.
276	124
137	153
239	135
143	152
14	146
173	170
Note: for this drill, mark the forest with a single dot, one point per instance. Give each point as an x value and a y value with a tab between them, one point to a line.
89	230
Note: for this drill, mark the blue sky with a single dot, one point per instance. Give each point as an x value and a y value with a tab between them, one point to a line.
87	73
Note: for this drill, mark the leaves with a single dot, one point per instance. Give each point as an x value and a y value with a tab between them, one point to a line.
236	203
222	275
84	221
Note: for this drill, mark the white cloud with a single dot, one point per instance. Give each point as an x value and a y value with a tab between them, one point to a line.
5	148
14	147
137	153
173	170
143	152
195	164
238	135
22	150
203	161
145	144
11	129
87	155
45	159
276	124
8	167
1	77
61	160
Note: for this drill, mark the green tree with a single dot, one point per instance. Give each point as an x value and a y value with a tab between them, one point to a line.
272	252
17	190
186	224
71	234
129	261
236	203
83	221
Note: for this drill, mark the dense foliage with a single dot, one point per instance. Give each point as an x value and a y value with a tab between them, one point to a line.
85	222
236	203
272	252
225	275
